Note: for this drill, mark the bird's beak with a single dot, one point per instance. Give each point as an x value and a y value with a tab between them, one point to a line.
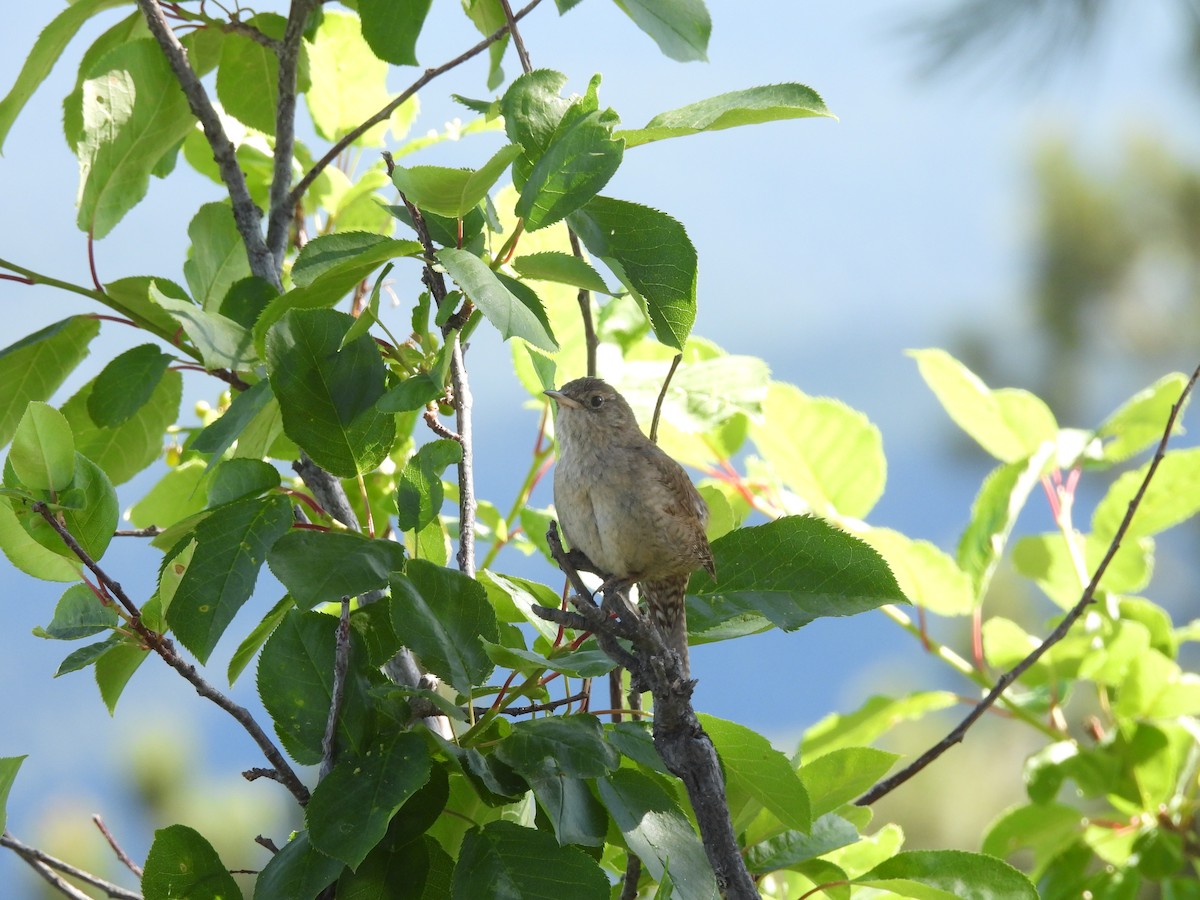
563	400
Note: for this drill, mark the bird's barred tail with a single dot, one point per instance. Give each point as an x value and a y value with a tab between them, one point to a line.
665	601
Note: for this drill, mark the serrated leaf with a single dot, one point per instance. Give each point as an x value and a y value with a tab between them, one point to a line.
576	664
948	874
43	449
789	572
181	863
752	106
351	807
1045	828
929	577
681	28
875	717
756	769
234	479
452	192
1172	497
792	848
843	774
221	342
444	616
322	566
231	545
561	268
571	745
256	638
131	298
134	113
391	28
78	614
651	254
126	384
503	308
335	251
1047	560
34	367
297	870
349	82
658	832
217	258
502	859
413	870
113	669
328	395
1140	421
1010	424
248	76
419	492
532	109
295	684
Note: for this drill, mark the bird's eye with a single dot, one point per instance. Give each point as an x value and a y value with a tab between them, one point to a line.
595	401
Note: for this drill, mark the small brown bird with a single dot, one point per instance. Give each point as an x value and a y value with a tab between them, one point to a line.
626	505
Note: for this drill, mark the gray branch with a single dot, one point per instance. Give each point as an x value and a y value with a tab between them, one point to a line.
46	866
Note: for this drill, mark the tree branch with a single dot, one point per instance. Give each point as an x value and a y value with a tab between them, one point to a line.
680	740
45	865
585	310
887	785
381	116
124	857
245	213
165	649
662	395
340	664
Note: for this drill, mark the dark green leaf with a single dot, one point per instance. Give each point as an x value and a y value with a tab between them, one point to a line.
219	436
34	367
126	384
503	859
328	395
576	663
391	28
331	251
231	545
246	300
572	745
532	109
652	256
657	831
79	614
416	870
321	566
767	103
182	864
445	616
8	774
949	874
234	479
503	309
85	656
295	683
298	871
791	848
350	809
419	493
790	571
256	638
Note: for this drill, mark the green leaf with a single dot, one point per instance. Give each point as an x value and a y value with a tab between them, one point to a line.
221	342
248	77
131	297
297	870
321	566
532	109
113	669
27	553
502	859
91	519
561	268
126	384
328	395
391	28
217	259
651	254
681	28
1045	828
233	479
36	366
875	717
829	454
182	864
47	50
1046	559
789	572
350	809
414	870
575	663
503	308
349	82
329	252
295	684
134	113
843	774
657	831
231	545
929	577
791	848
43	450
8	774
1010	424
419	491
370	313
444	615
1172	497
570	745
752	106
218	436
256	638
79	614
756	769
453	192
126	449
949	874
1140	421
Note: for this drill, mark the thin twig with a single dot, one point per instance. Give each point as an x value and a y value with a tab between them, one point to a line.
341	664
350	137
165	649
585	310
264	841
149	531
116	848
633	872
518	42
662	395
888	785
45	864
245	213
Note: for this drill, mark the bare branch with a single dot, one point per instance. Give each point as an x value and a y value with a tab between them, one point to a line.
522	53
466	466
245	213
341	663
662	395
887	785
165	649
381	116
585	311
46	865
116	848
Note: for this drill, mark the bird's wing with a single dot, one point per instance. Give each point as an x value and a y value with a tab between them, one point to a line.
686	506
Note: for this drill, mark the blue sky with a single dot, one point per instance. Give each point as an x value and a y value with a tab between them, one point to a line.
825	247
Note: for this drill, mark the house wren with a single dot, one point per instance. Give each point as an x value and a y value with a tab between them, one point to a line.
626	505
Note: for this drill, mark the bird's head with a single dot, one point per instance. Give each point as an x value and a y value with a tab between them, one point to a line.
592	406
